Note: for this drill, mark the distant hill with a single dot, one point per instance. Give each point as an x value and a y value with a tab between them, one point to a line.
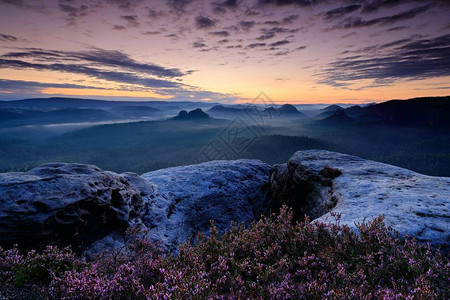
289	109
332	107
137	111
427	111
223	109
286	110
61	102
196	114
20	117
338	117
355	110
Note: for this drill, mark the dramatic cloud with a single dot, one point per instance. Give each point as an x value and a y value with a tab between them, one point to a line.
13	2
223	33
121	77
20	85
420	59
98	57
119	27
126	5
72	9
204	22
303	3
256	45
341	11
358	22
95	63
221	7
279	43
198	45
7	38
397	28
268	33
247	25
178	5
289	19
347	40
132	20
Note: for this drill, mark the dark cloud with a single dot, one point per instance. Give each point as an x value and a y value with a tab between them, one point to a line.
19	3
126	5
154	14
289	19
97	58
21	86
303	3
256	45
221	7
116	76
370	6
341	11
224	41
273	23
178	6
119	27
132	20
418	59
202	22
397	28
222	33
151	32
230	3
198	45
234	47
73	10
7	38
246	25
279	43
358	22
375	5
266	36
268	33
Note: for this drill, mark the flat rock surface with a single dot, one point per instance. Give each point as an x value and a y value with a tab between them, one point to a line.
412	204
188	197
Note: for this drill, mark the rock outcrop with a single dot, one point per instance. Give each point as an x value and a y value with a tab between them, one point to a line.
412	204
66	204
196	114
189	197
83	206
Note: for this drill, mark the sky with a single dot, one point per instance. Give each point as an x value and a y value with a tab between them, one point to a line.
229	51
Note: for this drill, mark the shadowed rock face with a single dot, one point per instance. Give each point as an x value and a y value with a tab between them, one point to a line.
66	204
412	204
307	192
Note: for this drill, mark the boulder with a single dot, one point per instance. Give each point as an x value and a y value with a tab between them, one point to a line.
188	197
68	204
412	204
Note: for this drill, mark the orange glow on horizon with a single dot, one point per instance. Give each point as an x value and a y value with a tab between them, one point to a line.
110	93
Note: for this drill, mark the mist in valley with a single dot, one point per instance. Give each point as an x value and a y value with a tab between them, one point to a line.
141	137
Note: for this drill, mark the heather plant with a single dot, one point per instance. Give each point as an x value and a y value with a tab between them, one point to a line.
35	267
272	259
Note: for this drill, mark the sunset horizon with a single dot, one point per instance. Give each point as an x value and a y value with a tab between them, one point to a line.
297	52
